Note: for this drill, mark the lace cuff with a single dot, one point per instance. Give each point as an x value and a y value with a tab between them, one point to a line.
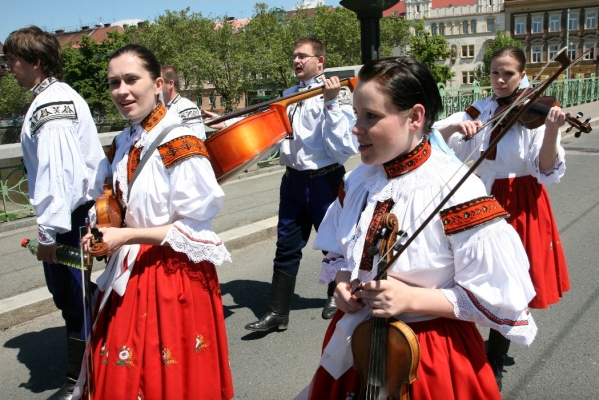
520	327
332	264
207	248
553	175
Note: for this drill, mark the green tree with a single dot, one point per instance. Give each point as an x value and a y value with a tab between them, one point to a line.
502	39
14	100
339	30
428	49
395	33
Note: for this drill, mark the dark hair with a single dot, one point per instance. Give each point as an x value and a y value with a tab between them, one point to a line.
33	44
169	73
406	82
148	59
511	51
317	46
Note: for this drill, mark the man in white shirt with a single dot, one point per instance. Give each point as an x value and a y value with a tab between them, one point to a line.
188	112
62	154
314	155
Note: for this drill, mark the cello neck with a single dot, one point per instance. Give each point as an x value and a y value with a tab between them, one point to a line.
283	101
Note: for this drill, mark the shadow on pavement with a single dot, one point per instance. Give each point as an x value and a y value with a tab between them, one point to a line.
44	354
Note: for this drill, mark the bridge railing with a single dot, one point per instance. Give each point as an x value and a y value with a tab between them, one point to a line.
15	202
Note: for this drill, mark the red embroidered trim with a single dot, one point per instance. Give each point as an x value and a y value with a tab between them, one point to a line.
472	112
155	116
468	215
181	148
408	162
372	235
490	316
196	273
341	193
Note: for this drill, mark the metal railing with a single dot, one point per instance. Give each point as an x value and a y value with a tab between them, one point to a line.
572	92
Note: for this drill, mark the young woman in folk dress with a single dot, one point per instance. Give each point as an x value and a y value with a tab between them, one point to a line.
467	266
160	332
516	174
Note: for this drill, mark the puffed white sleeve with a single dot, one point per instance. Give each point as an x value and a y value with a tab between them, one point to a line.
493	286
196	197
559	165
337	128
61	182
326	240
461	148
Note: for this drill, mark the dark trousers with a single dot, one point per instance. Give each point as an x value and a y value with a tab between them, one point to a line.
303	202
65	282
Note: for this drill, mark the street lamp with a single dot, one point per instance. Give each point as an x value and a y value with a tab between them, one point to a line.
369	13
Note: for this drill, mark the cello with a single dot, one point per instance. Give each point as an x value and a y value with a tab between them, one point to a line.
386	354
237	147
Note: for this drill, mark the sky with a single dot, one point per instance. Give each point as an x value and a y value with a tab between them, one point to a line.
70	15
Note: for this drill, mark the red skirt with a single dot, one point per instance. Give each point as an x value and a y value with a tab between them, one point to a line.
453	365
165	338
528	203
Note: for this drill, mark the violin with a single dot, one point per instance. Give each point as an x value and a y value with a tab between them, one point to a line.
109	213
534	116
386	354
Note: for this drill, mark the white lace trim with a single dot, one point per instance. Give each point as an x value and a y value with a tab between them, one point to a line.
464	309
332	264
208	249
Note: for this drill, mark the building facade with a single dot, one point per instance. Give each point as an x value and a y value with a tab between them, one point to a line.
545	27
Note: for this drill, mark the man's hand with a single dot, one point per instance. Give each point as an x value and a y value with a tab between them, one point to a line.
331	88
47	253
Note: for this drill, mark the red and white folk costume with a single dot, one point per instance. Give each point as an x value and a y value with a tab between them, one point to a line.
468	251
511	174
160	332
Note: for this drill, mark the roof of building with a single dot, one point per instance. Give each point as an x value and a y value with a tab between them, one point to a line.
400	8
98	33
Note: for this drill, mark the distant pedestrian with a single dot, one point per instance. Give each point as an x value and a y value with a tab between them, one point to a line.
61	152
178	105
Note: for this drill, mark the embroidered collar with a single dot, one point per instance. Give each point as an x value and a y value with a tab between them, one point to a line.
318	79
43	85
408	162
155	116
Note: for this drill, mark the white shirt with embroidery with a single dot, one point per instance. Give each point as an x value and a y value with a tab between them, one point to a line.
189	114
62	154
321	131
517	152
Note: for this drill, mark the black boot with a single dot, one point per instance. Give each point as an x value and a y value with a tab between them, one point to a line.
330	308
497	348
75	351
279	304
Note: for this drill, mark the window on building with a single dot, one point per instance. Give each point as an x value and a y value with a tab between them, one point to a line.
572	51
467	77
520	26
553	49
537	24
442	29
417	8
433	29
573	21
591	20
490	2
536	53
490	25
473	26
591	54
468	51
465	27
554	22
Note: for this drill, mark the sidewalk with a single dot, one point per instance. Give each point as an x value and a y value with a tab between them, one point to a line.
248	216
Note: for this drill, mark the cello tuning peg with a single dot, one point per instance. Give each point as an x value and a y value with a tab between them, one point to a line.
579	115
586	121
568	130
577	134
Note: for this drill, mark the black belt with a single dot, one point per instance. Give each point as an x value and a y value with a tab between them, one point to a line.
313	173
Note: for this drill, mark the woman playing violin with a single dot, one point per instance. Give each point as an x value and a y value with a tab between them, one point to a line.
451	276
516	174
160	331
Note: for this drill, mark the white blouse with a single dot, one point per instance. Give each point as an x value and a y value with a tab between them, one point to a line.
482	271
517	152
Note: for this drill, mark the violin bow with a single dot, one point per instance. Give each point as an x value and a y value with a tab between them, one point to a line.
565	62
86	264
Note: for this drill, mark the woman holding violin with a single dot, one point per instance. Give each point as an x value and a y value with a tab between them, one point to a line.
526	159
450	277
159	331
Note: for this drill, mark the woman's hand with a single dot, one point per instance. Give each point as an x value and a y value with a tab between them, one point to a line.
115	238
344	299
555	118
468	128
386	298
